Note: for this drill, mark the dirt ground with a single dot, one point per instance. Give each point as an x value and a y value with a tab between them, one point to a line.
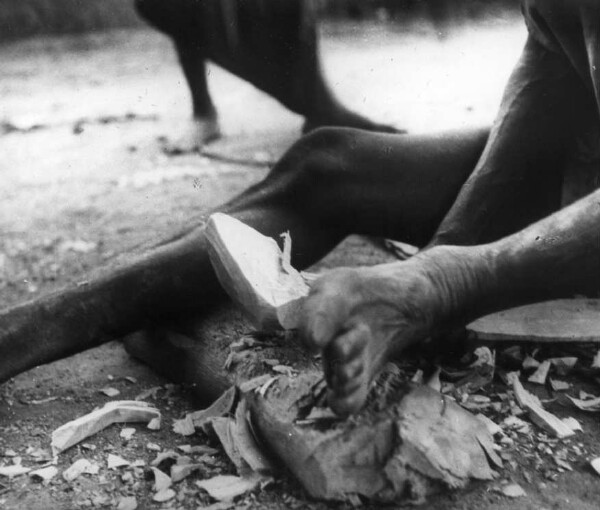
83	178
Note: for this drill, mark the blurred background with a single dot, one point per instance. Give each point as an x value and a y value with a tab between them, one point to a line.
21	18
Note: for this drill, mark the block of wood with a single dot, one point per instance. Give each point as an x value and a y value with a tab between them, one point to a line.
563	320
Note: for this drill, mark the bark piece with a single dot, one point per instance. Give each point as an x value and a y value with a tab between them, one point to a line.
564	320
537	413
121	411
411	441
254	272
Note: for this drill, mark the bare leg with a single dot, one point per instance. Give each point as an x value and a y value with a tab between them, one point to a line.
329	184
204	126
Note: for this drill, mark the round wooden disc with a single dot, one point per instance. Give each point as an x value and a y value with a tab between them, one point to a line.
564	320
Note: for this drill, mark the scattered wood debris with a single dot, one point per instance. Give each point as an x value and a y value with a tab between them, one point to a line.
127	433
185	426
223	406
44	474
162	481
80	467
590	405
164	495
115	462
255	273
120	411
127	503
537	413
418	441
154	424
541	373
557	385
14	470
228	487
596	360
149	393
110	392
595	463
513	490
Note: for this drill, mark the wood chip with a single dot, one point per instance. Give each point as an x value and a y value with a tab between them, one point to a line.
154	424
184	427
165	495
228	487
44	474
181	471
125	411
540	375
197	449
595	463
252	270
127	503
14	470
167	455
591	405
78	468
110	392
149	393
513	490
246	443
127	433
493	428
537	413
220	407
530	363
162	481
116	462
563	365
596	360
559	385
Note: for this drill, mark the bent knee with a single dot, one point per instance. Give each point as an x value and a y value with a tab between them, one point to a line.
320	156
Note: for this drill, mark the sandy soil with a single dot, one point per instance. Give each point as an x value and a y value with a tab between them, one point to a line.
83	179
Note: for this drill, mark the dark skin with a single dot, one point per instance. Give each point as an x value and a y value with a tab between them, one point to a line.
466	188
277	51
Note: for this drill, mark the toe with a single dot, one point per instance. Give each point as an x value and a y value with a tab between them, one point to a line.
347	404
344	366
325	314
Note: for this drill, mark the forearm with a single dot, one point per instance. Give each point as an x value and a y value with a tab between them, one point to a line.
556	257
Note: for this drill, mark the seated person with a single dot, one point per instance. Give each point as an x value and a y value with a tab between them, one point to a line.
482	205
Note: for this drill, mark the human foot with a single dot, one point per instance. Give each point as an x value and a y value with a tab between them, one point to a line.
360	318
199	132
343	117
